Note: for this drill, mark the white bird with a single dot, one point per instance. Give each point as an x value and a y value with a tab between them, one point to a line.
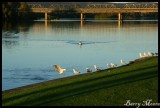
150	54
109	66
96	68
59	69
145	54
88	70
140	54
123	62
113	65
75	71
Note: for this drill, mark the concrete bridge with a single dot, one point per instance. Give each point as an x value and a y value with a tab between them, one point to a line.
93	7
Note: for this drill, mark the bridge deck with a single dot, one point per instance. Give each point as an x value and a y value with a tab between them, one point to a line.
93	7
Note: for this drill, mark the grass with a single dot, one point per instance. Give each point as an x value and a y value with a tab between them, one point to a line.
137	82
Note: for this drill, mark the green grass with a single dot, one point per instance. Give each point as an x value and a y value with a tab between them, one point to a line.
136	82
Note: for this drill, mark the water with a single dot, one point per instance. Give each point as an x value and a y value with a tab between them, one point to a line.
30	50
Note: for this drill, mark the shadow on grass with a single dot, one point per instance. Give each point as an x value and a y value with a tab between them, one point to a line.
98	83
92	87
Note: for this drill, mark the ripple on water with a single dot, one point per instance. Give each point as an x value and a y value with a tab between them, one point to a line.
87	42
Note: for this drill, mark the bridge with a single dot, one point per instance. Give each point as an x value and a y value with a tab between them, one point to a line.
93	7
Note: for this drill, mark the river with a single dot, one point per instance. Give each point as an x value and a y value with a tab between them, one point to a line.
29	50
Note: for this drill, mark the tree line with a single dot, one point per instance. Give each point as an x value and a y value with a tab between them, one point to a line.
20	11
16	11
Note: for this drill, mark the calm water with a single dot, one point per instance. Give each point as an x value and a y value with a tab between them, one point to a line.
30	50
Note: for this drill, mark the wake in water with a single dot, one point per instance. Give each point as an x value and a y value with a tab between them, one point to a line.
87	42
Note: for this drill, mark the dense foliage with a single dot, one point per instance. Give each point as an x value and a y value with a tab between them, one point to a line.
16	11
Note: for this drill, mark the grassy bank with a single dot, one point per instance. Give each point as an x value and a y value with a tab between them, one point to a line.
136	82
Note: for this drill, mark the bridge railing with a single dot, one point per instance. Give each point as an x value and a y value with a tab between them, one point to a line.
143	5
36	6
65	6
101	6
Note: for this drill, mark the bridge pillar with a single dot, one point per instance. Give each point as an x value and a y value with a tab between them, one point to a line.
119	16
45	15
81	16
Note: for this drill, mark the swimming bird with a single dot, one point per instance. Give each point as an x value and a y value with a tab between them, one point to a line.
59	69
109	66
96	68
123	62
88	70
80	42
75	71
113	65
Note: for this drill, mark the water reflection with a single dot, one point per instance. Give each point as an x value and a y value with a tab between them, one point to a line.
81	24
9	44
119	23
16	27
66	31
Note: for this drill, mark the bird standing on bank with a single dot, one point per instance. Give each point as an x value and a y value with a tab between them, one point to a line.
75	71
96	68
140	54
145	54
113	65
109	66
150	54
123	62
88	70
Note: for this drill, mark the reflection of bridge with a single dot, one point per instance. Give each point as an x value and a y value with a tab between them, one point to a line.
93	7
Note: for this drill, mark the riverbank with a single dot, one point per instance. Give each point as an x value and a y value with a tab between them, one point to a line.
137	82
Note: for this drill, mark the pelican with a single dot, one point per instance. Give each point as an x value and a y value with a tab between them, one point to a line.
96	68
123	62
109	66
88	70
113	65
75	71
80	42
59	69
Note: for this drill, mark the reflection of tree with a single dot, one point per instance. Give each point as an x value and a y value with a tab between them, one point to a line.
12	30
9	44
16	26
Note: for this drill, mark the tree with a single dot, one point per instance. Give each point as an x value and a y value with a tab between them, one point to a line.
9	10
15	11
23	11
